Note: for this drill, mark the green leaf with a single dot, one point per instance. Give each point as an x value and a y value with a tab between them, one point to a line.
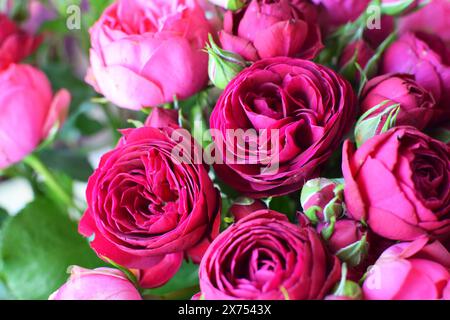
37	247
284	205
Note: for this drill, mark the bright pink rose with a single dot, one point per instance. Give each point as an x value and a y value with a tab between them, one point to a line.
398	183
266	29
427	58
410	271
432	18
295	114
417	105
28	111
265	257
150	198
15	44
342	11
144	53
97	284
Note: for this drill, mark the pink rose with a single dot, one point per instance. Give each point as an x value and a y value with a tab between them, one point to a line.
295	112
265	257
432	18
398	183
271	29
427	58
417	270
339	12
97	284
417	105
15	44
145	53
159	274
147	201
28	111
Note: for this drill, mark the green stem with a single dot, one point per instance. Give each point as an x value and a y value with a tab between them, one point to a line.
49	179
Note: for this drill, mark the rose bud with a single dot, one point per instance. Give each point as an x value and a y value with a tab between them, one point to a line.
223	65
265	257
346	289
338	12
347	239
15	44
398	7
432	18
146	53
321	199
229	4
269	29
376	36
394	98
426	57
27	102
416	270
152	197
295	114
242	207
358	52
397	183
97	284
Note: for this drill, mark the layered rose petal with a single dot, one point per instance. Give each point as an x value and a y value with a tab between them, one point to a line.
265	257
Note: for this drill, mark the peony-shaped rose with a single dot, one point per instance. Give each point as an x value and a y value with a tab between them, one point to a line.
288	116
97	284
150	197
427	58
28	111
145	53
265	29
265	257
15	44
416	104
398	183
416	270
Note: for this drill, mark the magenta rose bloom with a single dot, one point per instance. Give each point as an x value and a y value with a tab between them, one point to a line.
417	105
398	183
150	198
144	53
432	18
15	44
295	114
416	270
339	12
266	29
265	257
28	111
97	284
427	58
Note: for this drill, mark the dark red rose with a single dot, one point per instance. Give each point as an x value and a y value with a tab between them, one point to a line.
265	257
295	114
146	202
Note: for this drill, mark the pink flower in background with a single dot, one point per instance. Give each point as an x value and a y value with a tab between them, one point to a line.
145	203
427	58
145	53
270	29
339	12
265	257
15	44
432	18
97	284
417	270
28	111
398	183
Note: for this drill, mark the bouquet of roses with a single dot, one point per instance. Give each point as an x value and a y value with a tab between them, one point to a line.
267	150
